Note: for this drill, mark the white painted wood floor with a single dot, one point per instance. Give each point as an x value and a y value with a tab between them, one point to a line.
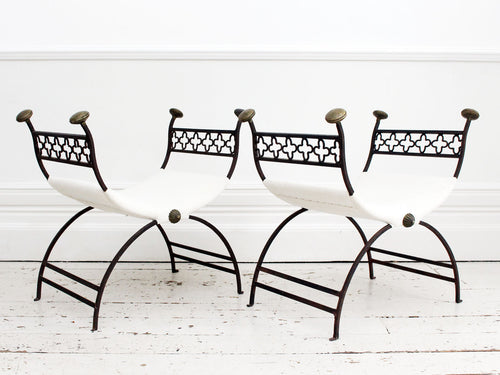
193	322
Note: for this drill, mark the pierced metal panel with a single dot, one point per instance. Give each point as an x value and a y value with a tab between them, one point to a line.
418	143
298	148
64	148
202	141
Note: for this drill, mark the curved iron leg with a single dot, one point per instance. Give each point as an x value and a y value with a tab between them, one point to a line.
169	246
112	265
363	237
264	252
51	246
348	279
450	255
228	247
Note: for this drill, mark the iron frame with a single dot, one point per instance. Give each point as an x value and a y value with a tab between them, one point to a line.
90	161
368	247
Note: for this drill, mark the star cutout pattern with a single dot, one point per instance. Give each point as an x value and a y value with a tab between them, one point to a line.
69	148
211	142
431	143
297	148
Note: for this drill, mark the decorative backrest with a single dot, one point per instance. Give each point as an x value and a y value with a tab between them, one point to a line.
440	143
203	141
63	148
214	142
66	148
313	149
426	143
308	149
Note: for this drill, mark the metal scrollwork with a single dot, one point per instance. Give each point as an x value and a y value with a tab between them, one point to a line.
208	142
66	148
421	143
298	148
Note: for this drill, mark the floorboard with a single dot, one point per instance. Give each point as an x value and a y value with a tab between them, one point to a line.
153	321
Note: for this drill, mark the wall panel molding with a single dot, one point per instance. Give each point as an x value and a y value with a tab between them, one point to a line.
247	213
234	54
29	217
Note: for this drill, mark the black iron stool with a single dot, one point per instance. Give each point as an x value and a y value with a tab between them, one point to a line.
166	197
398	200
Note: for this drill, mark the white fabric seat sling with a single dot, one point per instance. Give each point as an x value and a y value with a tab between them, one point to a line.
168	197
396	200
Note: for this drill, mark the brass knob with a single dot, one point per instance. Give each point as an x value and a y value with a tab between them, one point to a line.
381	115
237	111
335	115
79	117
24	115
246	115
174	216
176	112
408	220
470	114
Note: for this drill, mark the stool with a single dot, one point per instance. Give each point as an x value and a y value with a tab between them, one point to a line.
397	200
169	196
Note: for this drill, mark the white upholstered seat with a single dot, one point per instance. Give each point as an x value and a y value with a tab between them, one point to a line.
383	197
152	198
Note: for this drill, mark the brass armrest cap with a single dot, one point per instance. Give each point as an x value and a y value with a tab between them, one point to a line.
381	115
408	220
79	117
176	112
24	115
335	115
246	115
174	216
470	114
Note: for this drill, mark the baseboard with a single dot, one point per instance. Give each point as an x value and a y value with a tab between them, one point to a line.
247	214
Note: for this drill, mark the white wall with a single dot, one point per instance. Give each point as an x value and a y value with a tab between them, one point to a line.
439	26
128	62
